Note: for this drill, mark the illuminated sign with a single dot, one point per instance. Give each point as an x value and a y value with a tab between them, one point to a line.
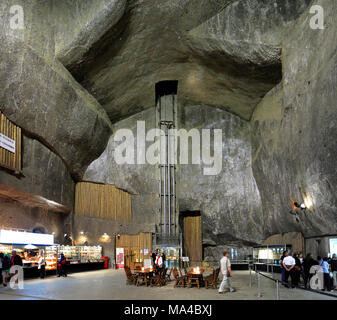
16	237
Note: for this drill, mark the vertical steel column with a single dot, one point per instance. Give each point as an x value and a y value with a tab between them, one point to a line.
174	170
165	172
160	168
169	180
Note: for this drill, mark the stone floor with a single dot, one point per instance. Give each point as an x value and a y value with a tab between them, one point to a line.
110	284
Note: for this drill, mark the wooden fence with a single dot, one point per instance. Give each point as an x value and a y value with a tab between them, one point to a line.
10	160
134	245
102	201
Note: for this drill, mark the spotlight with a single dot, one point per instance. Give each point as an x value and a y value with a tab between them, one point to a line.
81	232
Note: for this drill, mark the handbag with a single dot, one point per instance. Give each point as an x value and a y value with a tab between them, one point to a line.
331	275
297	268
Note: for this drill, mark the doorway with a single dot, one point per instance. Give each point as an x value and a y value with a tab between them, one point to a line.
192	225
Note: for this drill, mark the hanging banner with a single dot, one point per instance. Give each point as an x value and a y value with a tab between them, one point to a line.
7	143
120	258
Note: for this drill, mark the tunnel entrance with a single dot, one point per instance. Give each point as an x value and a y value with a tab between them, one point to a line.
191	224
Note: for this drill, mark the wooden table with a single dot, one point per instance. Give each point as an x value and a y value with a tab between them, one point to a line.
195	275
145	275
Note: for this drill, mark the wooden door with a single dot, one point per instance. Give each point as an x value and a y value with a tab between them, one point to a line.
193	238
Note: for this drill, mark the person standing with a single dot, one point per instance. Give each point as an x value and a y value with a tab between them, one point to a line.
297	270
283	270
42	266
16	259
289	264
308	262
226	270
334	270
154	256
6	264
159	263
61	266
326	270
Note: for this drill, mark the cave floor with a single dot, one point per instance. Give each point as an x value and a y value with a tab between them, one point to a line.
110	285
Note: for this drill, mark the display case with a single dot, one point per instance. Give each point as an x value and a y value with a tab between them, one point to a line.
71	253
51	258
269	254
5	249
90	254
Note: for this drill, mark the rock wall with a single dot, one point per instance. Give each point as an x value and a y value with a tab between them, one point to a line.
294	130
229	202
41	96
44	174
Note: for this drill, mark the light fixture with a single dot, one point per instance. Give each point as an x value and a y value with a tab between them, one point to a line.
81	232
307	202
65	235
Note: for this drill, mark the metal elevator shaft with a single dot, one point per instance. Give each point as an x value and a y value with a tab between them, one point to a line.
166	111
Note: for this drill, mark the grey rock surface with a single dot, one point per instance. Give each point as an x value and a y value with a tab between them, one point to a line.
41	96
44	174
294	133
223	53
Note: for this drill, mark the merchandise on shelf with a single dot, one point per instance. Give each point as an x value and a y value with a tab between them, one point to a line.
51	258
90	254
71	253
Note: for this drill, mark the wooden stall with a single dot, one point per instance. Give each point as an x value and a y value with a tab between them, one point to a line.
102	201
10	145
193	238
134	246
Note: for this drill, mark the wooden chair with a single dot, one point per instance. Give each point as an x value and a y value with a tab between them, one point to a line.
142	277
168	276
159	279
212	279
179	280
130	277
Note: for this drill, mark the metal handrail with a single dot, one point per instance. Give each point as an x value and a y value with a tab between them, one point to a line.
305	289
258	275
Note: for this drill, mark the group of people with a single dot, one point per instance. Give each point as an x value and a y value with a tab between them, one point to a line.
158	260
296	266
6	262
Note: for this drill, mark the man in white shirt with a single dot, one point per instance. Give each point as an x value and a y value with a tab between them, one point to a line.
225	268
289	264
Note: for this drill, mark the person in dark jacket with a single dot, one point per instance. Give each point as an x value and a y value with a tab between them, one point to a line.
6	264
16	259
308	262
283	270
61	266
297	270
334	270
154	256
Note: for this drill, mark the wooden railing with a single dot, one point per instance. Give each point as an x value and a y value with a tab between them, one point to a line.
102	201
9	159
